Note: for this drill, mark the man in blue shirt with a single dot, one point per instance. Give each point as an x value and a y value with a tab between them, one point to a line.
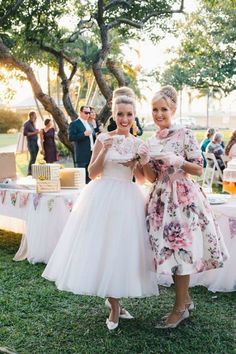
31	133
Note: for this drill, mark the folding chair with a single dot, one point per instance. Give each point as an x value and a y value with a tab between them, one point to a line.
212	172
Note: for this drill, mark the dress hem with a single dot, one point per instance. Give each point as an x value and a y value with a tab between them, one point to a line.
101	296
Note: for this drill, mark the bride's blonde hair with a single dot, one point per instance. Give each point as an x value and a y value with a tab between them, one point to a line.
169	94
123	91
123	95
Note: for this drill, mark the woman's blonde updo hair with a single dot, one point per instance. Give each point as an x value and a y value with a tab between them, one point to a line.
123	95
169	94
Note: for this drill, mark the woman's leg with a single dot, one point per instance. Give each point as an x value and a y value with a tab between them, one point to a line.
181	297
115	309
188	299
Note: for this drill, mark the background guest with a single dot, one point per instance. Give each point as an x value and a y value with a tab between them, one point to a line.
216	148
31	132
230	149
206	141
47	138
80	133
97	125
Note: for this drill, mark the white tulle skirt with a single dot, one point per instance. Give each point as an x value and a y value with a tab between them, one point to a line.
104	248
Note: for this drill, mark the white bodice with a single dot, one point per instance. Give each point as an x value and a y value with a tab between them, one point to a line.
122	149
117	171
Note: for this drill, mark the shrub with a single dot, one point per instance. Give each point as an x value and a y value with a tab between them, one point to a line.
9	120
12	131
62	149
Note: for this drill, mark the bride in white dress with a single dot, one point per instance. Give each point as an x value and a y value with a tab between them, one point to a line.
104	248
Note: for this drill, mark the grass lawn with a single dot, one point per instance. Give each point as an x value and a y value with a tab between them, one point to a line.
36	318
8	139
22	163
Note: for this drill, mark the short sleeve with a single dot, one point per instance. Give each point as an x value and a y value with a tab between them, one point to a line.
191	148
103	136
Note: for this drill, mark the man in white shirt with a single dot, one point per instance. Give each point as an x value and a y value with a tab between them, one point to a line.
80	133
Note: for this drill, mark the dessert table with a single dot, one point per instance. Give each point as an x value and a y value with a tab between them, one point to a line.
223	279
40	217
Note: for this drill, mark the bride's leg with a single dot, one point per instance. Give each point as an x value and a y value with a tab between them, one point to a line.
115	309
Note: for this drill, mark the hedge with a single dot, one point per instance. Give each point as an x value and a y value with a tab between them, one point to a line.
10	120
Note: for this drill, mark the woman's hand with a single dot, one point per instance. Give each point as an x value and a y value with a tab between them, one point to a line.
144	153
170	159
132	164
107	143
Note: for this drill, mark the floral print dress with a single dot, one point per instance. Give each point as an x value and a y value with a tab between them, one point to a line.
183	234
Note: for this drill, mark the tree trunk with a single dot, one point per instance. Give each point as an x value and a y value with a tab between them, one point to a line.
48	103
117	72
104	114
98	62
65	82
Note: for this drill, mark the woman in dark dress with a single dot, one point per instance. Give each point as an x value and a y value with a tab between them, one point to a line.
47	137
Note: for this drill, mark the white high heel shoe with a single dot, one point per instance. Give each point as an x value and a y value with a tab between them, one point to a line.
124	314
111	325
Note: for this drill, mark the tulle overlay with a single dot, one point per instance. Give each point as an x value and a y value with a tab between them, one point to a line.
104	248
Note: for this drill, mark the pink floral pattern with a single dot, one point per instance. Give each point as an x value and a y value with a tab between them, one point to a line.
183	234
162	133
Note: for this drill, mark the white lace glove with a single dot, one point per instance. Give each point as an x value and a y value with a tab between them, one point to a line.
171	159
144	153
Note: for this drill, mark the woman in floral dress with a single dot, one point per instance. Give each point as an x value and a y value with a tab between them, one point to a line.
183	234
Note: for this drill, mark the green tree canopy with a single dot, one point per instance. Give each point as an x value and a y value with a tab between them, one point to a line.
206	57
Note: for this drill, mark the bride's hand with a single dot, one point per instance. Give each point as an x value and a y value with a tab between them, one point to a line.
107	143
132	164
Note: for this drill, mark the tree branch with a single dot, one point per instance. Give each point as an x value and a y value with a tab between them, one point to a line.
81	29
158	13
140	24
10	11
6	58
117	22
60	55
118	2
